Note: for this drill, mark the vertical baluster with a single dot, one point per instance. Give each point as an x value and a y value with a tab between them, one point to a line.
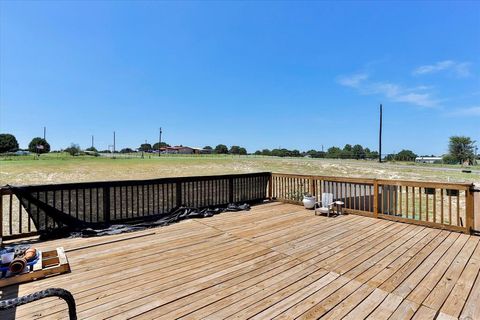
19	216
29	217
426	204
406	200
54	223
388	194
121	201
70	201
364	197
450	208
97	204
114	202
163	197
420	202
413	203
76	203
442	218
37	212
400	201
459	222
149	200
354	196
84	211
154	196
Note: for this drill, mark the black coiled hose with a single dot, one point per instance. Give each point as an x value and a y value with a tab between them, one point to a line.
51	292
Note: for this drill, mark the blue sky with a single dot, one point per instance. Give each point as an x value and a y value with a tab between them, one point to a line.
257	74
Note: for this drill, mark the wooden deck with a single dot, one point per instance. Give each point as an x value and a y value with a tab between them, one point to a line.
276	261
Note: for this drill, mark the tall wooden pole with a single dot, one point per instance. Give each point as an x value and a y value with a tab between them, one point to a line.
44	133
380	136
114	143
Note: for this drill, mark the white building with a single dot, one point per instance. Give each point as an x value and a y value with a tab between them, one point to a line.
428	159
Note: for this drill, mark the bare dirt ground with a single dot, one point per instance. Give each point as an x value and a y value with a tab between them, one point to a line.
53	169
24	172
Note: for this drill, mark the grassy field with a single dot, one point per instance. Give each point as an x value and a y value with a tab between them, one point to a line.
56	168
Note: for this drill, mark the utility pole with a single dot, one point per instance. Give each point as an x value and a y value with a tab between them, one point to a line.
92	141
475	157
380	136
114	144
44	133
159	141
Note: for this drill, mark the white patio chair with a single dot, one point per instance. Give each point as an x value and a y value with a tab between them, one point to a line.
325	205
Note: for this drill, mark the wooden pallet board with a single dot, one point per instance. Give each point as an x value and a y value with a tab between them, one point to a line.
50	262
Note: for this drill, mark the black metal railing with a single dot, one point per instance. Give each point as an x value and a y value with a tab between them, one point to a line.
28	210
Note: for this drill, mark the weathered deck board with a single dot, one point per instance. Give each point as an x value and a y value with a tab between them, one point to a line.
276	261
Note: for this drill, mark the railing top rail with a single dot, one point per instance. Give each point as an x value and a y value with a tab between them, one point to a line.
327	178
100	184
425	184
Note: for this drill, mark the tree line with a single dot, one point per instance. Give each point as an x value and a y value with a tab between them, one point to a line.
347	152
461	150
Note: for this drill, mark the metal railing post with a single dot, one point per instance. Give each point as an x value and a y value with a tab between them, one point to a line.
230	190
106	204
179	193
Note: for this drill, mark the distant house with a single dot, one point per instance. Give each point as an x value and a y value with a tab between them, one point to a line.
201	151
428	159
184	150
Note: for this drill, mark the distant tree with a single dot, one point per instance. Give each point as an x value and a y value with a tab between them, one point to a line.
461	148
312	153
367	153
294	153
8	143
162	145
315	154
347	152
234	150
266	152
126	150
449	159
145	147
39	145
93	149
242	151
105	151
372	155
334	153
390	157
321	154
207	148
221	149
358	152
405	155
73	150
347	147
285	153
258	153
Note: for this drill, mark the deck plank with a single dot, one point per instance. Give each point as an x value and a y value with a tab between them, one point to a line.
276	261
